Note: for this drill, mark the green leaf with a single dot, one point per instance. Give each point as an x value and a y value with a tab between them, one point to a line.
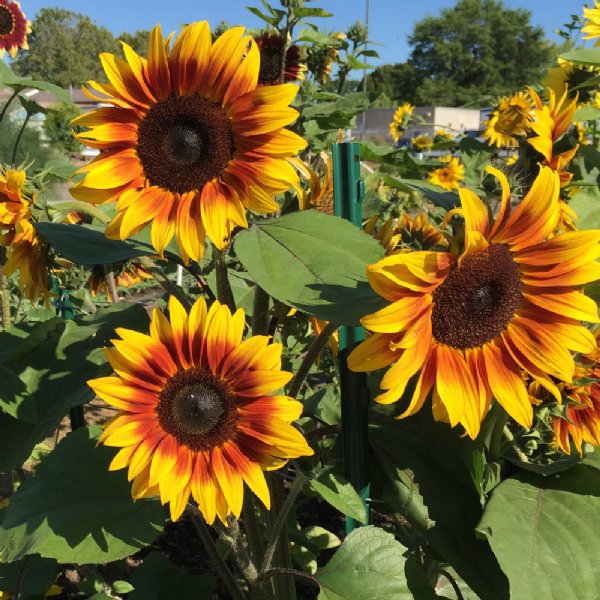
314	262
341	495
261	15
77	511
54	364
305	11
371	564
587	113
587	206
122	587
36	574
433	193
89	246
583	56
157	578
9	79
542	530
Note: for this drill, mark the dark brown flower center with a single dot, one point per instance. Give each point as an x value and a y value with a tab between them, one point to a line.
7	21
477	300
184	142
198	409
270	65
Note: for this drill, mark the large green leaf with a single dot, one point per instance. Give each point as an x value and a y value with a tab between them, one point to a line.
35	574
438	494
54	364
77	511
314	262
432	192
9	79
157	578
544	534
586	204
369	565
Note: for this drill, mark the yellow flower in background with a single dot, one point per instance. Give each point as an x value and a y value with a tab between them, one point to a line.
444	136
421	142
195	418
320	180
400	120
469	324
591	27
550	122
450	176
396	234
130	274
14	28
580	131
189	141
510	119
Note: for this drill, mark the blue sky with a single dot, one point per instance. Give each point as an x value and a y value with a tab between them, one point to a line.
391	21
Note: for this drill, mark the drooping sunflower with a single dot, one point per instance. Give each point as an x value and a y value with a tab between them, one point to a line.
510	119
470	323
195	418
14	28
450	176
270	45
189	141
28	254
591	27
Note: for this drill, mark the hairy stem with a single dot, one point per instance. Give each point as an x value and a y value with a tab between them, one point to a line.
224	293
292	573
111	284
5	303
233	589
310	357
233	537
82	207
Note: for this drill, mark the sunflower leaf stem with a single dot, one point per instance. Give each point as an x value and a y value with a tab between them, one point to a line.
165	282
310	357
82	207
292	573
280	510
233	536
7	104
514	445
13	160
224	293
260	312
452	582
233	589
5	304
199	279
111	282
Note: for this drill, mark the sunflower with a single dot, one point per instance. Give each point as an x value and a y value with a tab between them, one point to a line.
441	135
271	46
550	122
400	120
510	119
14	205
130	273
189	141
470	323
319	176
194	415
450	176
28	254
568	76
421	142
14	28
591	27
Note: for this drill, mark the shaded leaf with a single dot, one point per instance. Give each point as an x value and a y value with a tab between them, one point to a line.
35	573
341	495
76	510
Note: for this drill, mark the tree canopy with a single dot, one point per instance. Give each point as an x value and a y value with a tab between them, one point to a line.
478	49
64	48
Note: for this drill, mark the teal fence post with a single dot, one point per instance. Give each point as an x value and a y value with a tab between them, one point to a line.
348	189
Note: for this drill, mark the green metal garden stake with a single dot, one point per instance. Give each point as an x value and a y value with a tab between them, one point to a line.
348	190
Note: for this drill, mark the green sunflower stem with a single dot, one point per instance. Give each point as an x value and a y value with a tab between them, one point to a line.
284	46
7	104
224	293
5	291
82	207
253	518
278	546
310	357
111	283
260	312
233	589
18	140
233	537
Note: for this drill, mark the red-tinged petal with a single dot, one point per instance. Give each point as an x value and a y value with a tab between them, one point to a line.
259	383
245	78
284	407
396	316
118	169
179	502
504	201
424	384
163	225
571	303
214	211
229	480
203	487
121	395
189	58
196	324
507	385
220	339
122	458
178	477
121	76
163	459
245	356
190	229
374	353
158	65
251	473
142	457
474	211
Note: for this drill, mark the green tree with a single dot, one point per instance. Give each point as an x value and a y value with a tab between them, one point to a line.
58	128
64	48
138	41
477	50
